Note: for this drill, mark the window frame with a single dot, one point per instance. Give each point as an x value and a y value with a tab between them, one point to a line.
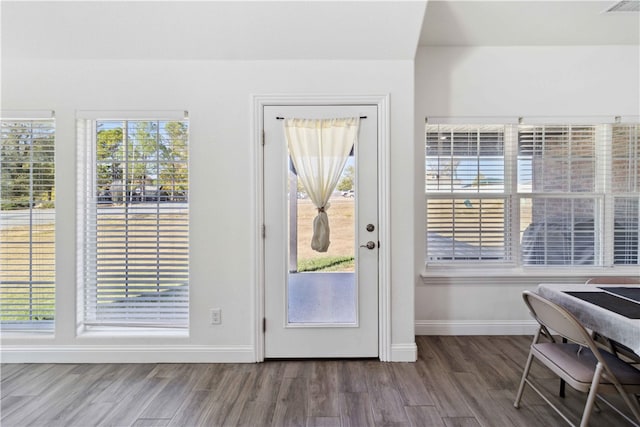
601	194
89	199
41	255
507	195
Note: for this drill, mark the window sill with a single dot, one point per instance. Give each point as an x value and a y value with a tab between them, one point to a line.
459	274
111	331
27	334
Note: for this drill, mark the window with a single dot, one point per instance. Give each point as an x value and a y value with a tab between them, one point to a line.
625	183
27	224
136	223
467	200
551	195
560	201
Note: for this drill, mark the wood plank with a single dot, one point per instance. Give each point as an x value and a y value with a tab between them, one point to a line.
10	404
573	405
88	414
444	393
452	355
44	406
323	422
323	390
180	380
297	369
356	409
92	382
257	413
387	403
503	400
498	369
133	403
424	416
456	382
127	379
411	385
8	370
151	422
243	395
461	422
35	380
291	408
209	376
352	377
474	393
194	410
231	397
268	379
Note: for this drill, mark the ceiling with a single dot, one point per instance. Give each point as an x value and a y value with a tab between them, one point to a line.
319	29
528	23
211	30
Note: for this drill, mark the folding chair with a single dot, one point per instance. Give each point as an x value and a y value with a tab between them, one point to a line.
579	362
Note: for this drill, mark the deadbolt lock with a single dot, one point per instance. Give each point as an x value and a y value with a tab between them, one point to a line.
370	227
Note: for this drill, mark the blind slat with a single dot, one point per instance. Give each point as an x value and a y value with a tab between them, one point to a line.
137	230
27	223
575	188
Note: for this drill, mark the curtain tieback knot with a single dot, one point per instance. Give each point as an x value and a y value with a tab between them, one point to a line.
321	209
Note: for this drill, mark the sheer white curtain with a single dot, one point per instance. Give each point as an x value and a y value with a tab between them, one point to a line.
319	150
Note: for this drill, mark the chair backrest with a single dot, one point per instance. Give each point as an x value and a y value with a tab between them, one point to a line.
557	319
611	280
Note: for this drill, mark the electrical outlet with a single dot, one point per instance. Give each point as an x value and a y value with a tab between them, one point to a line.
216	316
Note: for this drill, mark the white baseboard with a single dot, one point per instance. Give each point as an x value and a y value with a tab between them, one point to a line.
404	352
126	354
475	327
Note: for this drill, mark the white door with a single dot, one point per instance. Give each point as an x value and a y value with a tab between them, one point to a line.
321	304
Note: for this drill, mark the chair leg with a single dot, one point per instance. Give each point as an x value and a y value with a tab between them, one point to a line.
525	373
591	398
561	392
634	410
635	406
632	403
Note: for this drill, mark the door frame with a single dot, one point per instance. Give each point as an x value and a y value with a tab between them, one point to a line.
258	102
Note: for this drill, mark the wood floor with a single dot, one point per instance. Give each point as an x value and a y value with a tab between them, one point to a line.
457	382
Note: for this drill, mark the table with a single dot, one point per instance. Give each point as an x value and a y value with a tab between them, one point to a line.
617	327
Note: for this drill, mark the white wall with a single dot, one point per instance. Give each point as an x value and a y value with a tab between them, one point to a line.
217	96
528	81
488	81
509	82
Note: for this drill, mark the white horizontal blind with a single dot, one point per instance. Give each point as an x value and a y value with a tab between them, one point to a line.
467	202
136	268
625	185
571	190
27	223
557	173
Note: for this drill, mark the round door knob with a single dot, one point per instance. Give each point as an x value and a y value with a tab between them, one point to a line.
369	245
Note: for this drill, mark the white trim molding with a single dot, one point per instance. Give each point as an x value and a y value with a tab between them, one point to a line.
126	354
404	352
475	327
132	114
27	114
258	102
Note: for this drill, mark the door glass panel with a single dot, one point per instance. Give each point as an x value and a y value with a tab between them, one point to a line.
321	286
